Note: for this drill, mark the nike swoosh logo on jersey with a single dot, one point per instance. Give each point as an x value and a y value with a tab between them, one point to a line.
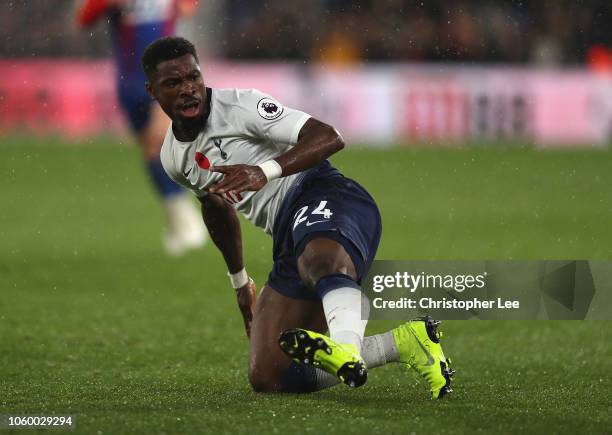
186	174
430	358
312	223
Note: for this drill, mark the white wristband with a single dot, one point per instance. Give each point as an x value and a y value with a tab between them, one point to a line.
271	169
239	279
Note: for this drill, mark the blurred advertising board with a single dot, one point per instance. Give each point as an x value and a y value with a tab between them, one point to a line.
377	105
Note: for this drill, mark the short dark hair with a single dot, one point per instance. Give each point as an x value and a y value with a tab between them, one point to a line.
166	48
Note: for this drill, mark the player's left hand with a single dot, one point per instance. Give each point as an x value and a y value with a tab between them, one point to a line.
238	179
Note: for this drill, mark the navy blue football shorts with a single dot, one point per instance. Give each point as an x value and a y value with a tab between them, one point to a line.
322	203
136	104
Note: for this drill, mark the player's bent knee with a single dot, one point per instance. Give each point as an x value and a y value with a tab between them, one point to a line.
324	257
262	382
264	373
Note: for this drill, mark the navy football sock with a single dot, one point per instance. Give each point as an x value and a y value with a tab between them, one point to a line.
302	378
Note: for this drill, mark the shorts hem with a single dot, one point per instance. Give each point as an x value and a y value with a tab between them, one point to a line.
292	292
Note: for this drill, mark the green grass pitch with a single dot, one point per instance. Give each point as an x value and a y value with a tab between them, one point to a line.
95	321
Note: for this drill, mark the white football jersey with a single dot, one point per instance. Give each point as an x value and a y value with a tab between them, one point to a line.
244	126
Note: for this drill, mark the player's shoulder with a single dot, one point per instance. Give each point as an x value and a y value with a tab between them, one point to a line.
247	100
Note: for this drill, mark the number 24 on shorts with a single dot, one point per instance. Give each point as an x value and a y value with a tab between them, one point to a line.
320	210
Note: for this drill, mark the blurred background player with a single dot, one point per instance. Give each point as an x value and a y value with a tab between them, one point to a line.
134	24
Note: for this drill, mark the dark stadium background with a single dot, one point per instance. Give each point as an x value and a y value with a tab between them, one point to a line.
510	162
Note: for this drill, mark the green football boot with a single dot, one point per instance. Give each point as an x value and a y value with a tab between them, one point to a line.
318	350
418	344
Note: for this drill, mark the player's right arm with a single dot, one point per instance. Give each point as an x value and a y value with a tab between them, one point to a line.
264	118
224	228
